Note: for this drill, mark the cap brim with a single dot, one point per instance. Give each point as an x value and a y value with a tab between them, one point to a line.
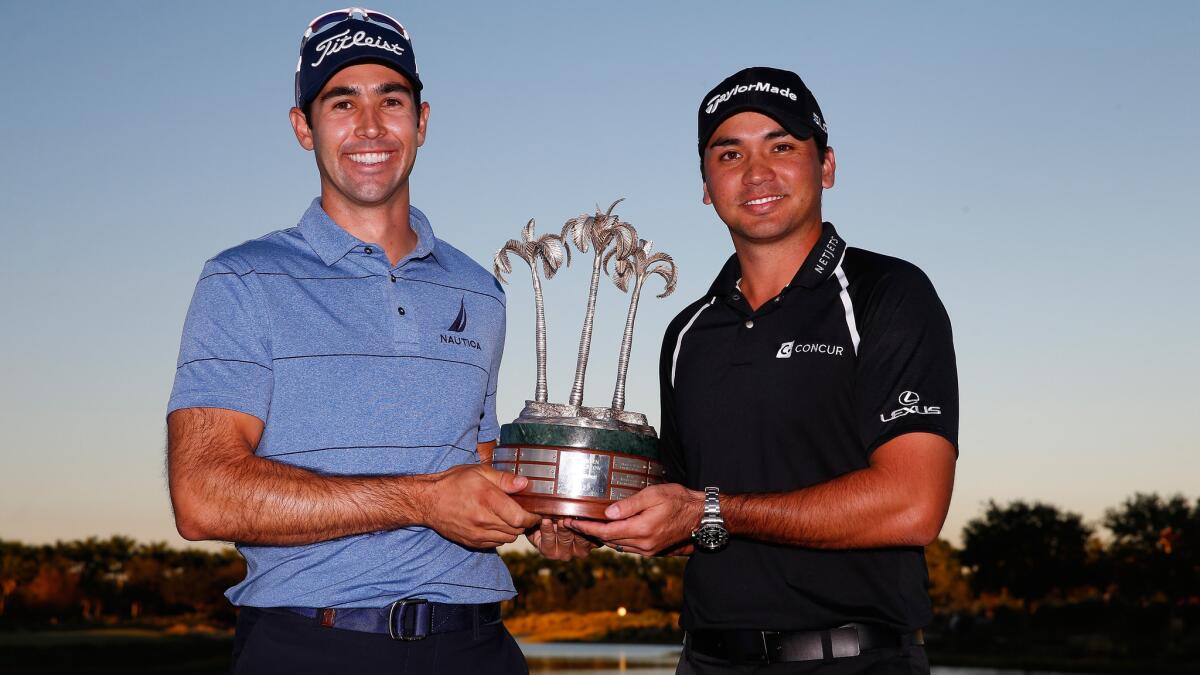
374	58
799	130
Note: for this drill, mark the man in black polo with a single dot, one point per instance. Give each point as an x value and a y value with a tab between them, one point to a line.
809	415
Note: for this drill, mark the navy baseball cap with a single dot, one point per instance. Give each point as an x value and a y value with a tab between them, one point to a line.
778	94
348	36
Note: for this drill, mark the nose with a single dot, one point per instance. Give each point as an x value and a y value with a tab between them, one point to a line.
758	170
369	125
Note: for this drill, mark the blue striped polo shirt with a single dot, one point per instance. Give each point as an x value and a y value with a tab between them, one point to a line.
356	367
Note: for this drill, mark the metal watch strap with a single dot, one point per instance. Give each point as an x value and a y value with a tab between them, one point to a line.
712	504
710	535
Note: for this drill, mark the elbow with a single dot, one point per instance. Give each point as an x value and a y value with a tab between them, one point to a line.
192	521
190	529
927	534
922	526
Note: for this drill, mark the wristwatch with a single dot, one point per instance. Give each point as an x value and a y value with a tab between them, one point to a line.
711	535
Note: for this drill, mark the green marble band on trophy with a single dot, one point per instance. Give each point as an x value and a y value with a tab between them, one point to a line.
580	459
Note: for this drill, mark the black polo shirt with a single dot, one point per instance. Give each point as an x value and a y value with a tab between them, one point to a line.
855	351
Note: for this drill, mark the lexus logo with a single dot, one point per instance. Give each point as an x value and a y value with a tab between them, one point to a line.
908	406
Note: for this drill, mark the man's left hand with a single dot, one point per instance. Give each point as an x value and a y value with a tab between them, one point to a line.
658	518
557	542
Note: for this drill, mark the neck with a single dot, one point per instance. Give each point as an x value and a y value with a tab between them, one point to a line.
769	266
383	224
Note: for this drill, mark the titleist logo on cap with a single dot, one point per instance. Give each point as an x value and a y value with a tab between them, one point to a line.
343	40
711	105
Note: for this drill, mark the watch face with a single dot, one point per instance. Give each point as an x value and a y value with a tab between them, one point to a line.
711	538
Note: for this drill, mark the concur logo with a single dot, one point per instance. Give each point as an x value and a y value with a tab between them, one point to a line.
908	401
790	347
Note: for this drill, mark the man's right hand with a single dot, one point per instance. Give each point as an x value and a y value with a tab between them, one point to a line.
470	505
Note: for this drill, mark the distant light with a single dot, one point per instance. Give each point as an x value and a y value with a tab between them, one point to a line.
621	611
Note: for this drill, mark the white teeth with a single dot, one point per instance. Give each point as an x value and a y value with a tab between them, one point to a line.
370	157
764	200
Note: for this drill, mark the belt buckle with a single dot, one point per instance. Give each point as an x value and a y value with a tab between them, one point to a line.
418	614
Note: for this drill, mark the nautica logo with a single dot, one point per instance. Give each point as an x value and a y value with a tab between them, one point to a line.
460	322
908	400
459	325
343	40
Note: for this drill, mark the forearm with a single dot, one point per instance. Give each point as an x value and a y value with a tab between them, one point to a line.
862	509
257	501
901	499
221	490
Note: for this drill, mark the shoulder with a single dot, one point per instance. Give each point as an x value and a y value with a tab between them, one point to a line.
265	253
890	294
870	274
466	272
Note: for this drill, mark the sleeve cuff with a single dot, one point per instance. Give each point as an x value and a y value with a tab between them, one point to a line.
234	403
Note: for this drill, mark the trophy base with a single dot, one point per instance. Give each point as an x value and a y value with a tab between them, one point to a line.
576	471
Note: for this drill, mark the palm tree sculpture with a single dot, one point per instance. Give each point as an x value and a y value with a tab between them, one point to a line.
552	250
637	265
598	231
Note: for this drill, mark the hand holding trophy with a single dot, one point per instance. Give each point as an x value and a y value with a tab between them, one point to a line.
580	459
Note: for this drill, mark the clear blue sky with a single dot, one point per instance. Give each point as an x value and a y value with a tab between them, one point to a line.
1037	160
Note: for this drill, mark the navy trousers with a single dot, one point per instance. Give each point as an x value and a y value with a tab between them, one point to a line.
270	641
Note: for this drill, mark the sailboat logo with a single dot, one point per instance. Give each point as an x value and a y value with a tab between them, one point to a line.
460	322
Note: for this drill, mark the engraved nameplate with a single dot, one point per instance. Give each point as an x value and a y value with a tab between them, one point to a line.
582	474
538	470
538	455
629	464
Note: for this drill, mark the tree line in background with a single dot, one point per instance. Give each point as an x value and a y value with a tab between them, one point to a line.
1018	557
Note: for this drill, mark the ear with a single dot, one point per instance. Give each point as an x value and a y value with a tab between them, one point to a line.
422	123
704	187
300	127
828	168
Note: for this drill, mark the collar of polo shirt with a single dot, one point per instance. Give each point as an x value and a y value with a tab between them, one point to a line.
332	243
817	267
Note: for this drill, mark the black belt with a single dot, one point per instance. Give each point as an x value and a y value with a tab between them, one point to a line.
756	646
408	619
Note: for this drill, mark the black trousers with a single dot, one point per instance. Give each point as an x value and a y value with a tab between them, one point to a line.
905	661
269	641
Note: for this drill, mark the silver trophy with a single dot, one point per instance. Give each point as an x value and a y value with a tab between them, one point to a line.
579	459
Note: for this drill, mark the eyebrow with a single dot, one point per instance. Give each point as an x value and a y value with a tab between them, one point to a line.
385	88
392	88
724	141
340	91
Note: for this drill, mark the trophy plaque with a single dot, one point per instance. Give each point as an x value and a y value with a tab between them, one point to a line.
580	459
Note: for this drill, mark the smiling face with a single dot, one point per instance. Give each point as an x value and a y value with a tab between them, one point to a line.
764	183
365	132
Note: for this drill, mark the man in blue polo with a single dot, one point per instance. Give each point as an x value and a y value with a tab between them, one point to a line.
334	402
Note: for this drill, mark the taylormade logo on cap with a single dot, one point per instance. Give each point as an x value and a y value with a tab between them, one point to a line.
343	40
713	103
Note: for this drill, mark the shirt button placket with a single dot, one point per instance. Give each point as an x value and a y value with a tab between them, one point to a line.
405	331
